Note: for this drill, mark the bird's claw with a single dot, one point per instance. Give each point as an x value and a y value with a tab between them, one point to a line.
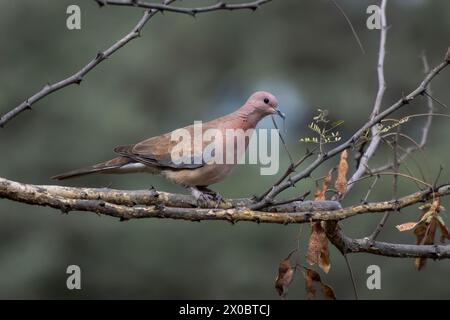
205	196
204	199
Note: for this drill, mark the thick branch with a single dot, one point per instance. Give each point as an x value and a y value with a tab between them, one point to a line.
349	245
153	204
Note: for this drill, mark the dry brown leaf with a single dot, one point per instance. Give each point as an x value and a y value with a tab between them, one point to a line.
318	248
445	234
327	291
436	205
341	180
284	278
425	234
320	194
312	276
406	226
425	230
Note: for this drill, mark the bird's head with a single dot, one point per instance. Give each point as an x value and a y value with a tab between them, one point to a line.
263	104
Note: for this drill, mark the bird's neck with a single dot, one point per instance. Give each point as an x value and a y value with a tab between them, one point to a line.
248	116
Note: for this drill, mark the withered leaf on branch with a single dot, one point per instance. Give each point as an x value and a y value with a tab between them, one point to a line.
445	234
312	277
425	230
406	226
320	194
318	248
341	180
285	276
425	236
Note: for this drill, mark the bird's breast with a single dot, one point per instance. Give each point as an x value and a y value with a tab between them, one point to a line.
203	176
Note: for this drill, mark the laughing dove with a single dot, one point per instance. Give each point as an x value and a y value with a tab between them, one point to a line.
156	155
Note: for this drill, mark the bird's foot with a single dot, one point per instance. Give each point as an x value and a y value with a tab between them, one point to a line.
205	195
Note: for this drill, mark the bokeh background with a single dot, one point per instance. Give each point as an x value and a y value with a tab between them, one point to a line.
184	69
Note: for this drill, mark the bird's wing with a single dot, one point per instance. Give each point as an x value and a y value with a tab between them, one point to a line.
157	151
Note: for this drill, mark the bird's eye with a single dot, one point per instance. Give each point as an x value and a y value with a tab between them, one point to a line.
266	100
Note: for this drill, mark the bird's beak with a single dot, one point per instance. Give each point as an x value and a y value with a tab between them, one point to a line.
281	114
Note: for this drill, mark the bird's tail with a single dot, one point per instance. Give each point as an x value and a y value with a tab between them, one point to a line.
103	167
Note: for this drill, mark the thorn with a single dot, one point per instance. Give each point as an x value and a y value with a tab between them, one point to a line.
447	55
291	182
78	80
405	99
100	56
28	105
65	209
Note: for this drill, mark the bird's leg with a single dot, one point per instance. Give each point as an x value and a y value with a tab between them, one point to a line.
202	198
204	195
216	196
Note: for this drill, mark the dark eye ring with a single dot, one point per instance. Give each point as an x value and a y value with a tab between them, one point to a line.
266	100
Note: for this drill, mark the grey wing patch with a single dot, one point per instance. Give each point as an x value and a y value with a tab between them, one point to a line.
160	161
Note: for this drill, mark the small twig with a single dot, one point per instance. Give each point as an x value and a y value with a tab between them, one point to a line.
151	10
385	217
283	141
370	189
427	125
394	174
355	34
373	145
288	172
352	277
253	5
435	100
79	75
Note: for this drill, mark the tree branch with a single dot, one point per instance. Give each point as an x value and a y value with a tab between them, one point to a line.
154	204
253	5
321	158
373	145
425	129
349	245
79	75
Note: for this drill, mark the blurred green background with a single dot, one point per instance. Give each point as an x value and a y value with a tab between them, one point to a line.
184	69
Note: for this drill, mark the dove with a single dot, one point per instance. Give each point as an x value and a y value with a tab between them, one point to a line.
156	155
